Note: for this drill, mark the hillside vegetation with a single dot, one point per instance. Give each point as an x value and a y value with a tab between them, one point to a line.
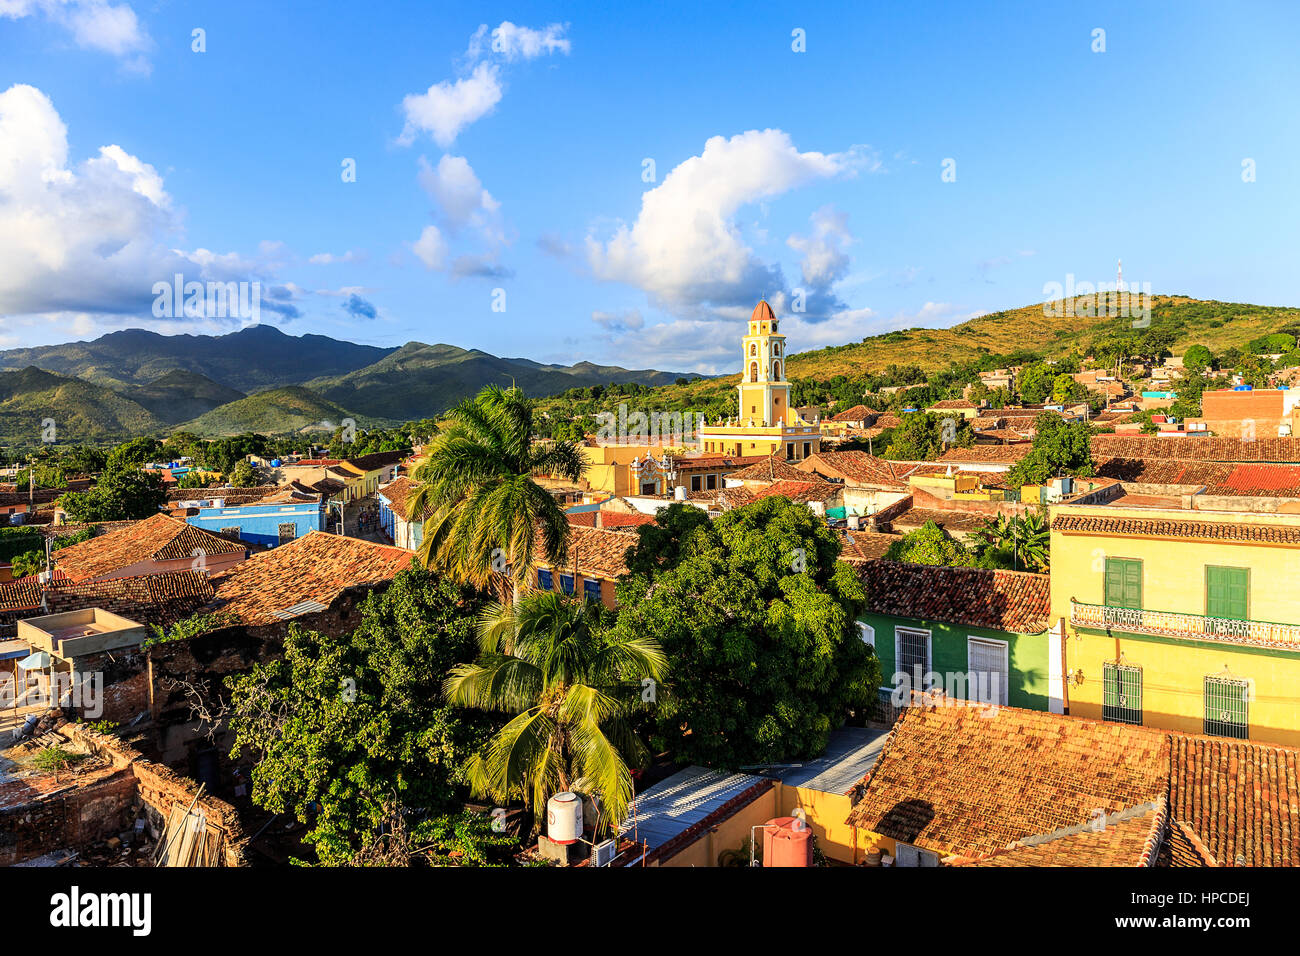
79	410
277	411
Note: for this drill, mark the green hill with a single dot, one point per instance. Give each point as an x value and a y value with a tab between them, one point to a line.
81	411
259	356
179	396
277	411
420	380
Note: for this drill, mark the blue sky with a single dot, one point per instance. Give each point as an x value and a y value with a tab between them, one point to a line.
500	156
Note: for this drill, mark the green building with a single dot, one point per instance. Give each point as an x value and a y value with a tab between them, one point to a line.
971	633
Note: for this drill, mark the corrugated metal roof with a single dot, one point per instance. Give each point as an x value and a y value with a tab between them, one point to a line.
672	806
850	754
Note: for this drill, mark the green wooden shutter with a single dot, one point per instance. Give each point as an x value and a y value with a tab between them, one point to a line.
1123	582
1227	592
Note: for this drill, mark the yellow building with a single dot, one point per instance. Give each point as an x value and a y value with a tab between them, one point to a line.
616	470
1174	616
766	423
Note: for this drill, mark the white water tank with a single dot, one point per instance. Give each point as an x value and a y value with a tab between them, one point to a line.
679	493
564	818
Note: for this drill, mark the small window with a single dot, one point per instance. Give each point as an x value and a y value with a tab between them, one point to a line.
566	583
1227	707
789	451
711	482
1124	583
544	580
753	371
696	483
1227	593
807	448
753	349
911	656
591	589
776	371
988	664
648	488
868	634
776	348
288	532
1121	693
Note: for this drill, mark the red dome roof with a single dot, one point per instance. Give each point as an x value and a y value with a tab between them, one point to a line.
762	312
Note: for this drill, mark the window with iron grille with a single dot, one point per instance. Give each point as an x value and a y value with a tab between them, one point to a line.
544	580
288	532
1227	707
1121	695
566	583
912	655
591	589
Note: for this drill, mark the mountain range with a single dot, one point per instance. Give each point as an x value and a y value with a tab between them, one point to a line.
137	382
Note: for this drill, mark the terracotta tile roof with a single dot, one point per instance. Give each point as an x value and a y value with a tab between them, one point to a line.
954	522
770	469
157	538
1005	435
954	403
612	519
887	421
800	492
857	468
316	568
1182	847
1133	837
596	552
585	518
375	461
1282	450
990	453
1014	601
398	492
1241	798
980	422
857	547
163	598
965	779
714	462
232	496
1122	526
736	497
20	595
858	413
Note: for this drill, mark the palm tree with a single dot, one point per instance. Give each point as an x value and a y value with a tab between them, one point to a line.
569	688
485	512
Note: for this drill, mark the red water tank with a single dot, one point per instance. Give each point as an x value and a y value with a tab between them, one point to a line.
787	841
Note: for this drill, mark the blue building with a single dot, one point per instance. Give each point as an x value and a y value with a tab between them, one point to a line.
272	521
393	499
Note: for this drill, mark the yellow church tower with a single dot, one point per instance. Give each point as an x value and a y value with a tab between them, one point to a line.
766	424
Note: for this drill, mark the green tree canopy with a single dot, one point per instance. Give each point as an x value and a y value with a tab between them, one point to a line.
930	544
757	618
345	728
122	493
1197	358
1060	447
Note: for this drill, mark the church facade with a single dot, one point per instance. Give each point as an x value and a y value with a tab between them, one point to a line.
767	424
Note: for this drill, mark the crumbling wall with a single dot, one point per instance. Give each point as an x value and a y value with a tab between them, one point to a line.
161	789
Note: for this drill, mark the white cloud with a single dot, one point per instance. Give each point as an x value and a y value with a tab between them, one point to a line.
684	249
445	109
448	107
329	258
93	24
629	320
825	260
431	248
460	196
86	242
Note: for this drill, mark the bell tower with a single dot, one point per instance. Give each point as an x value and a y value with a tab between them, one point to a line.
764	391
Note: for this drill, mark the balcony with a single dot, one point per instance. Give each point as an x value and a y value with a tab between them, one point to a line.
1188	626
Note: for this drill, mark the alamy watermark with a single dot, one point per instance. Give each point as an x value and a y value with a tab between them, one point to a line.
671	429
1113	299
212	300
84	692
981	689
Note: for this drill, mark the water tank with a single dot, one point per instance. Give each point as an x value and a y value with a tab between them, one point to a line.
787	841
564	818
679	493
275	462
218	502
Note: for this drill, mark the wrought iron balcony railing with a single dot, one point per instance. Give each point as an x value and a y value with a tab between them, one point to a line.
1176	624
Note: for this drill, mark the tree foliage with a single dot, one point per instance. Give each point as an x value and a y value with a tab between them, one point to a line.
122	493
568	686
346	728
1060	447
757	618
